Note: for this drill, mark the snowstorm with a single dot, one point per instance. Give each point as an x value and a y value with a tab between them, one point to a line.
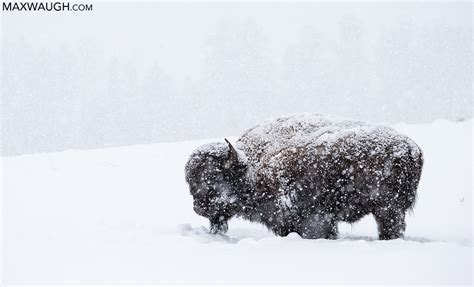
182	71
266	142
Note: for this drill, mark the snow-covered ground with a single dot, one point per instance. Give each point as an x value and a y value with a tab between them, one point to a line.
124	215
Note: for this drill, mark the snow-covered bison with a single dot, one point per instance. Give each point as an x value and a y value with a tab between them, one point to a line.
305	173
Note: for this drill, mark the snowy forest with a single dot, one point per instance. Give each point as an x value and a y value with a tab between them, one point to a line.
77	93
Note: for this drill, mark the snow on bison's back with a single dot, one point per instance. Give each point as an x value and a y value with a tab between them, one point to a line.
346	168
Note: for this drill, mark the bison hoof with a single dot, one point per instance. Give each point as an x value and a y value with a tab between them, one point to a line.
220	227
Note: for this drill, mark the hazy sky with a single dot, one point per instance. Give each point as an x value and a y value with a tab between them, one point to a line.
129	73
174	34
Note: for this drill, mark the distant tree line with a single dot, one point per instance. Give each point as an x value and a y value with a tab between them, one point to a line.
78	97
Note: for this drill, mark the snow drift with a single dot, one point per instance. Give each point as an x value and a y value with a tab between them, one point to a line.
124	215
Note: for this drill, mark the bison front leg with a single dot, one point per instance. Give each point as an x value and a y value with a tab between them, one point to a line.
318	226
218	225
391	223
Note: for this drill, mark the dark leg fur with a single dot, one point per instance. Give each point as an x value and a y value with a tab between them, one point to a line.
282	231
318	226
218	226
391	223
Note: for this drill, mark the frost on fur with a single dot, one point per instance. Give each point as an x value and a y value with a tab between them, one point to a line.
304	173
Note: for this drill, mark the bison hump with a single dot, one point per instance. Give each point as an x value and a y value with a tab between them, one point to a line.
283	148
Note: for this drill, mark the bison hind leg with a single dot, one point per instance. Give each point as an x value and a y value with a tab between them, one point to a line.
390	223
318	226
279	226
282	230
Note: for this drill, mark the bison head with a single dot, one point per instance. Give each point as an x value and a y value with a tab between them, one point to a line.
216	175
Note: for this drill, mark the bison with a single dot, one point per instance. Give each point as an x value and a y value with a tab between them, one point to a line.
305	173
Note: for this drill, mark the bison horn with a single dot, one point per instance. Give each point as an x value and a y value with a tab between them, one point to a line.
233	157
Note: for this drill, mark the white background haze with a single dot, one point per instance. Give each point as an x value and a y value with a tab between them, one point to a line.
129	73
